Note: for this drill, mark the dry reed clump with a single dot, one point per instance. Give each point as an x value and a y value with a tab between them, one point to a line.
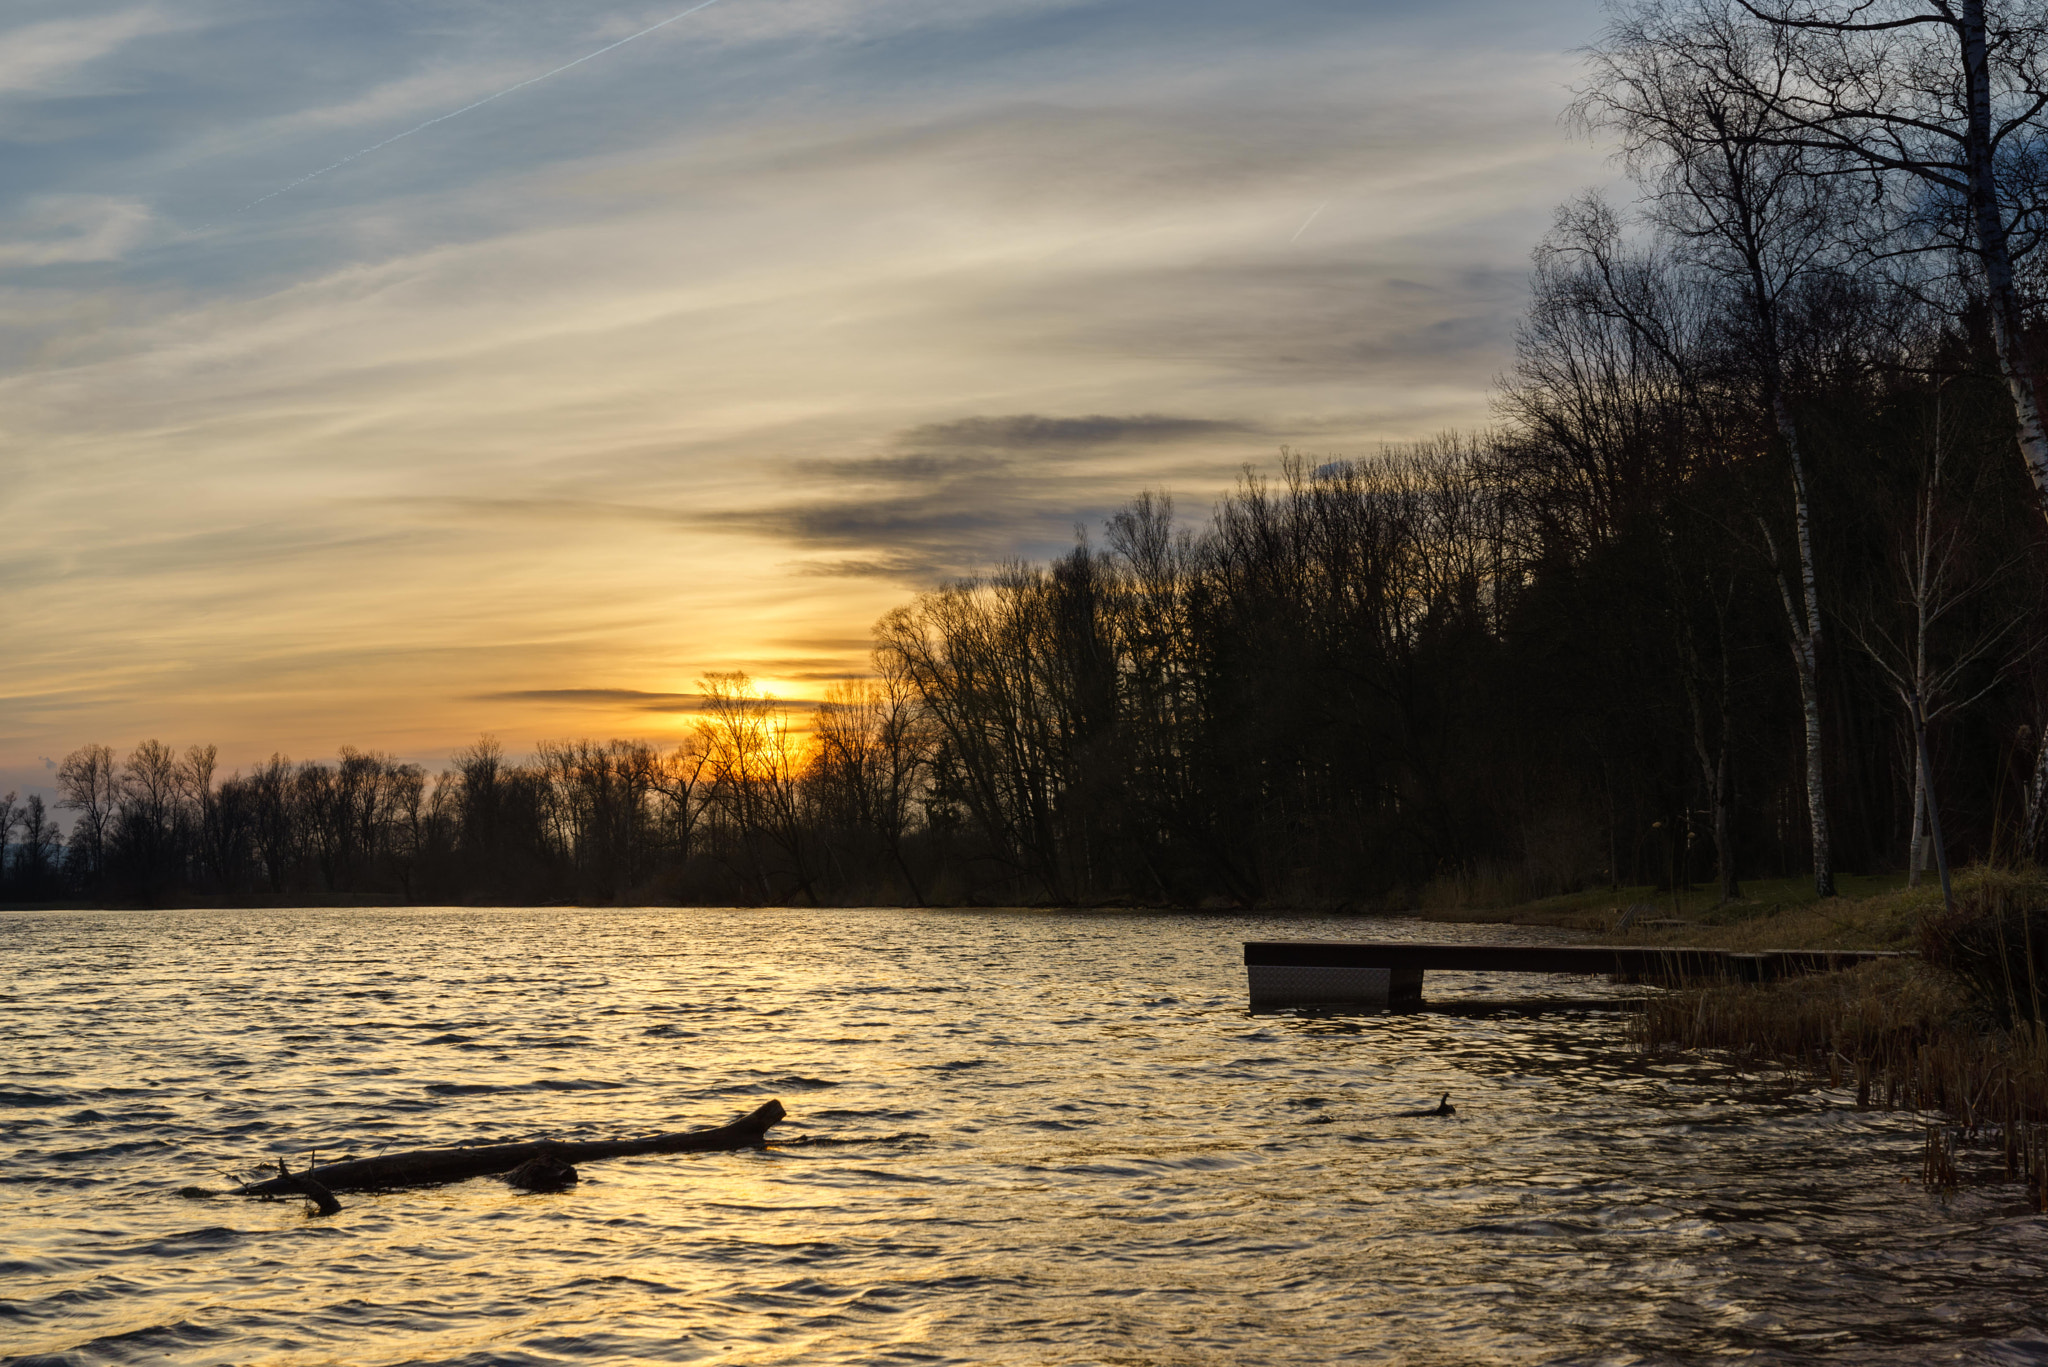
1880	1012
1994	941
1957	1034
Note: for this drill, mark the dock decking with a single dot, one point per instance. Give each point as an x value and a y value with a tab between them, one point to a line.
1375	975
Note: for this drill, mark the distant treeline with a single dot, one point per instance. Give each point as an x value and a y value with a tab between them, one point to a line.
1750	577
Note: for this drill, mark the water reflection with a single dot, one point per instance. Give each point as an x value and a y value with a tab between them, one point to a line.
1032	1138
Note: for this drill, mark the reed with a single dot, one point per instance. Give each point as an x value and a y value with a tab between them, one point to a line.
1995	942
1957	1035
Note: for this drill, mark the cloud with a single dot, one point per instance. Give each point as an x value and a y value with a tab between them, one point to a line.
1029	431
582	697
542	509
942	498
60	229
960	495
702	356
835	643
42	56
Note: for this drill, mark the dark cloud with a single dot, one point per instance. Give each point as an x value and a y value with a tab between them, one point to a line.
946	499
911	567
908	467
959	496
810	666
1030	431
827	643
628	697
942	499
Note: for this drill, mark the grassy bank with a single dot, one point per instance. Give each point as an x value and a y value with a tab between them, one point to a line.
1870	911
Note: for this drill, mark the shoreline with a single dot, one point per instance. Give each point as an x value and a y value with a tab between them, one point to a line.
1873	911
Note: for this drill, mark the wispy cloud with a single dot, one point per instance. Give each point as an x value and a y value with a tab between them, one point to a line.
702	356
63	229
956	496
1031	431
47	56
581	698
482	100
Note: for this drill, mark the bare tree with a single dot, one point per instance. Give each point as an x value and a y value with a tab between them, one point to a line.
601	809
202	800
409	818
755	764
41	846
152	814
975	653
679	782
1634	340
2034	819
1933	670
89	784
1949	95
275	818
869	751
10	816
1761	212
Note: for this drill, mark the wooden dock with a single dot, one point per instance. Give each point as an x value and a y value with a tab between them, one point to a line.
1377	975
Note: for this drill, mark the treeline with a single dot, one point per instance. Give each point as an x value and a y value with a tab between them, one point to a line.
744	810
1749	578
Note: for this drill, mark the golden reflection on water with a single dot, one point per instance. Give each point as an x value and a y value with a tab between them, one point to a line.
1014	1138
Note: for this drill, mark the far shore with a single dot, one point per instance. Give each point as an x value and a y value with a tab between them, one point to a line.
1870	911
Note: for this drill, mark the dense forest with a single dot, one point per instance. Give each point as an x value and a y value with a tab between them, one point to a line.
1749	577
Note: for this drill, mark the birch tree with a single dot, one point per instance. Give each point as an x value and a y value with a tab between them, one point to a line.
1936	663
1949	96
1760	211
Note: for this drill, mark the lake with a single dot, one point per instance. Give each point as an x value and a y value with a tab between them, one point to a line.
1014	1137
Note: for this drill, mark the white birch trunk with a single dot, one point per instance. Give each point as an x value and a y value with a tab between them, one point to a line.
1816	792
1916	847
1995	251
2037	798
1802	616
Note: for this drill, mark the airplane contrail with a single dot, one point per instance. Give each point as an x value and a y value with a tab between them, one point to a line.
1310	219
478	104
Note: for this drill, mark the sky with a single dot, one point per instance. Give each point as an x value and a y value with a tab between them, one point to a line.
382	372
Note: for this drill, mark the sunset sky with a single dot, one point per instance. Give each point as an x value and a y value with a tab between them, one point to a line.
701	353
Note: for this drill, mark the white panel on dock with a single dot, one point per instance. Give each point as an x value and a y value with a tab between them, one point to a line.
1275	987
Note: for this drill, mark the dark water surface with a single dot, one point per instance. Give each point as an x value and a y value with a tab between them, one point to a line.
1052	1138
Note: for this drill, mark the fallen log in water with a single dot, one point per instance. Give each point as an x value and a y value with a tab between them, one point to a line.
425	1167
305	1186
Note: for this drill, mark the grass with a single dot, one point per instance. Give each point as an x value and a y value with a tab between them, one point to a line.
1869	911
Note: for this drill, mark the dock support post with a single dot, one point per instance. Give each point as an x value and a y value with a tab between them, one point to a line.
1325	987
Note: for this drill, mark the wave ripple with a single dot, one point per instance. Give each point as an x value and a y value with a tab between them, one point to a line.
1015	1137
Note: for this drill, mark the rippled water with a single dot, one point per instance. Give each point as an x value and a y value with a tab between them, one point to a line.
1053	1138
